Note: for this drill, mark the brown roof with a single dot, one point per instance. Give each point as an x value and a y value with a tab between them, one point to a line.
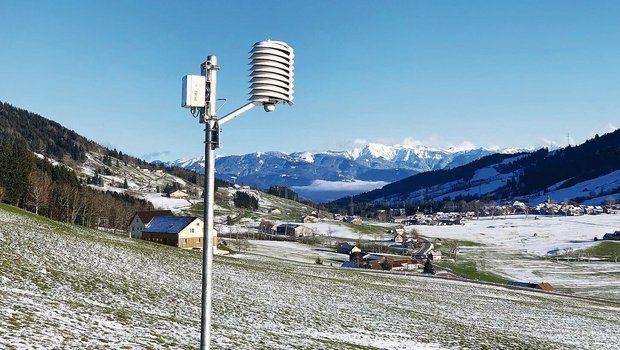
545	286
401	262
147	216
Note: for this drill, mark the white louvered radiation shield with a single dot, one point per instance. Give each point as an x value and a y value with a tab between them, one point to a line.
271	72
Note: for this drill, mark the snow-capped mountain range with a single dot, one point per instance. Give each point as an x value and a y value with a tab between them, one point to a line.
328	175
588	173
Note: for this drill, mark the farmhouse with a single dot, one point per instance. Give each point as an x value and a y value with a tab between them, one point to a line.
293	230
178	194
180	231
434	255
353	220
400	236
141	219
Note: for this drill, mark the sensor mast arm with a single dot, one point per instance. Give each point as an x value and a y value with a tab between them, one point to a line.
230	116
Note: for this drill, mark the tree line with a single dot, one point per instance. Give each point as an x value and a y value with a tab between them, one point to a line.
245	200
283	192
54	191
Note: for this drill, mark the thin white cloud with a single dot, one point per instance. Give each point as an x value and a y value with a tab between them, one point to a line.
465	145
411	142
328	186
359	142
611	127
431	141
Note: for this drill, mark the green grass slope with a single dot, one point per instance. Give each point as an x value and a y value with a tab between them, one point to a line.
66	287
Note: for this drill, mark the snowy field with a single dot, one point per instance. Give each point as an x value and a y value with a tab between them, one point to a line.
516	233
65	287
293	251
511	249
160	201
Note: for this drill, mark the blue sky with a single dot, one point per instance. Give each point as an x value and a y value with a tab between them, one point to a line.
439	73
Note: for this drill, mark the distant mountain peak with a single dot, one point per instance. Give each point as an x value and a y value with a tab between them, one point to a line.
322	175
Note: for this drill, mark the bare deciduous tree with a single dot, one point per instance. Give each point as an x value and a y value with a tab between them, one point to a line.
609	202
493	208
477	206
40	190
453	247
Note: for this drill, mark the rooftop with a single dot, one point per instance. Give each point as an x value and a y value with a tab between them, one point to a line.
168	224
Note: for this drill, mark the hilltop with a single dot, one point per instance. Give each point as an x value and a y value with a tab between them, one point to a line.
586	173
56	292
52	170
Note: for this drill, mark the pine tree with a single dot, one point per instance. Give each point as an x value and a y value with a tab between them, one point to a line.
428	267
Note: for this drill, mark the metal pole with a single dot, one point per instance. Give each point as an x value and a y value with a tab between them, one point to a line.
208	116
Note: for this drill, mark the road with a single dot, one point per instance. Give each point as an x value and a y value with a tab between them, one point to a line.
425	248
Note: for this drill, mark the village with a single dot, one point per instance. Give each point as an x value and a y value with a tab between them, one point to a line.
394	244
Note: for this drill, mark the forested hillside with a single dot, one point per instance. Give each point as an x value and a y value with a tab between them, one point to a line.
505	177
49	138
41	135
596	157
55	191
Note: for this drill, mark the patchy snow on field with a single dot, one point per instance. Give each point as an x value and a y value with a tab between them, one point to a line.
160	201
516	233
511	249
106	188
334	229
66	287
294	251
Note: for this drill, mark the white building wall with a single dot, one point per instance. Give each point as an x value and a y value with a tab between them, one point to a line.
195	230
135	228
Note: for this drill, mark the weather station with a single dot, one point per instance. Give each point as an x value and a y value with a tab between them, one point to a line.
271	83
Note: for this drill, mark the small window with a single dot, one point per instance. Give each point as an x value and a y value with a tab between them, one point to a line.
191	230
198	240
184	240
